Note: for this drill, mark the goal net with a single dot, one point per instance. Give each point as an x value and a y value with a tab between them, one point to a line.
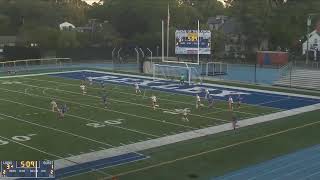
214	69
189	73
34	64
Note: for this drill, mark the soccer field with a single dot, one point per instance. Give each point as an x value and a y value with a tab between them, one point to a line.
108	137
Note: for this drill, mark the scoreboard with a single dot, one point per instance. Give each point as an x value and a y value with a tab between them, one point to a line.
27	169
187	42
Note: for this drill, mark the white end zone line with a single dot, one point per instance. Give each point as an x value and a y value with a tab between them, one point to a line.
151	78
212	85
202	115
162	99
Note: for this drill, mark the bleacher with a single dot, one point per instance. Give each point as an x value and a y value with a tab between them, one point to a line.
301	78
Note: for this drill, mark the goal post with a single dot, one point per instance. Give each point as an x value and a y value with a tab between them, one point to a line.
175	72
214	69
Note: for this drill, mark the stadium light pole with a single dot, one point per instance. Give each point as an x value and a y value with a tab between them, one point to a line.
162	40
168	30
198	57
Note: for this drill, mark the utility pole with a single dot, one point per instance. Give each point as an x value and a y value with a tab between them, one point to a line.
168	29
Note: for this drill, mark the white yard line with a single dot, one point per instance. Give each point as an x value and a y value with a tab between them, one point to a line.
50	154
267	102
79	117
120	101
165	92
55	129
151	78
153	143
105	109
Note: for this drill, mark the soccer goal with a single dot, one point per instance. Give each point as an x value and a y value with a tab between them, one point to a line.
34	64
190	73
214	69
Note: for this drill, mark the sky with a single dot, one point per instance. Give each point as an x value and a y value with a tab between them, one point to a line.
92	1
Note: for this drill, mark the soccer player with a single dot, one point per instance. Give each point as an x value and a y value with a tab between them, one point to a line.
103	85
154	102
234	122
239	100
198	101
83	89
136	85
182	79
210	101
90	81
63	109
207	93
185	113
54	105
104	100
230	101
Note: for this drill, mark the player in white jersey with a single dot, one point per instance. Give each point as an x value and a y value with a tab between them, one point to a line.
154	102
198	102
54	105
90	81
207	93
185	113
83	89
230	101
136	85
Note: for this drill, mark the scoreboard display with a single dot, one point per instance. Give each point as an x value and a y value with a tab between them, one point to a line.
27	169
187	42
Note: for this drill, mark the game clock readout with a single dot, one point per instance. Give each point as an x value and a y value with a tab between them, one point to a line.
27	169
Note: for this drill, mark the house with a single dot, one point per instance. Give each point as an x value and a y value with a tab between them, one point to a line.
83	29
66	26
235	41
7	41
314	42
215	23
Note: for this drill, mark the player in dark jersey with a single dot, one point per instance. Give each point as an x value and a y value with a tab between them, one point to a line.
210	101
234	122
62	110
239	100
104	100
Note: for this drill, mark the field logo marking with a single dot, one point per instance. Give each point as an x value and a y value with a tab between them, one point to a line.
169	86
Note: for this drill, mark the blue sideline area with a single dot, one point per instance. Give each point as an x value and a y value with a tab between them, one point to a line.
301	165
281	102
99	164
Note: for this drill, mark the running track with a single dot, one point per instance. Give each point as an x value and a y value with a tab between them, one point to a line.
301	165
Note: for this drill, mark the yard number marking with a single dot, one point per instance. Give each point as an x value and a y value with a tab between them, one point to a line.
17	138
107	122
